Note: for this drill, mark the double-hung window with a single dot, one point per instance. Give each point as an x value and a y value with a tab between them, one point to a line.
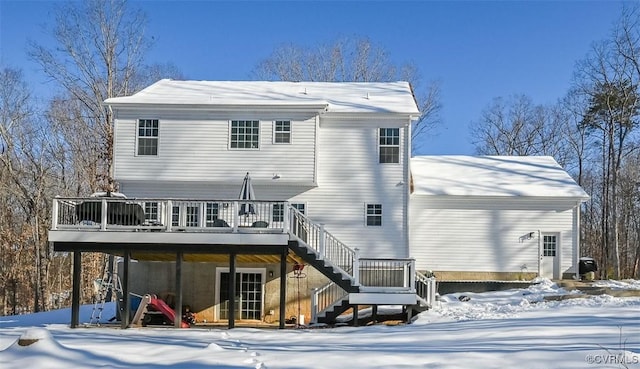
245	134
374	215
389	145
147	137
282	131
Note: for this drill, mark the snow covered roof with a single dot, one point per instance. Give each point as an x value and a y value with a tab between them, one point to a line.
347	97
493	176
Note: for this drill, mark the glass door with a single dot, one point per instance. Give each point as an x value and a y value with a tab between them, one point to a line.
248	298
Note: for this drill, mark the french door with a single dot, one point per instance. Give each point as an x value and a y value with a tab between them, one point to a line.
248	297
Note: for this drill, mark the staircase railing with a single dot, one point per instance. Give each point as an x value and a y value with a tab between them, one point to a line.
426	288
387	274
324	298
323	243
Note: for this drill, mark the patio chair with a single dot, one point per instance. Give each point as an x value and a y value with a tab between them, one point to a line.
260	224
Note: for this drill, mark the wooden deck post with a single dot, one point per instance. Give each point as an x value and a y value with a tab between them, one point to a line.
177	322
355	315
110	270
374	314
126	311
75	289
232	291
283	287
409	313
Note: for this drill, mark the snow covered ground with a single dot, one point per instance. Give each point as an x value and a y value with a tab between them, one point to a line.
508	329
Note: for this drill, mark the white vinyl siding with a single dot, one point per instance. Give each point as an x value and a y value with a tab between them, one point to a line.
347	166
349	176
487	235
194	146
343	187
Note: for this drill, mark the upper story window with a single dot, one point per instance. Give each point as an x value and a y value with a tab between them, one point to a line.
282	131
245	134
374	215
147	137
389	145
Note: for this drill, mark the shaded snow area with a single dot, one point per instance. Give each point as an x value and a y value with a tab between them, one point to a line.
514	328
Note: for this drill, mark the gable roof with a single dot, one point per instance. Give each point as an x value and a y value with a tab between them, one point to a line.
493	176
342	97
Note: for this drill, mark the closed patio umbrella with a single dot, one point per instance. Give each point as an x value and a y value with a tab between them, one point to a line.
246	193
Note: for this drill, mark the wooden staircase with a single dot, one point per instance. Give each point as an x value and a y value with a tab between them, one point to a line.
337	275
355	281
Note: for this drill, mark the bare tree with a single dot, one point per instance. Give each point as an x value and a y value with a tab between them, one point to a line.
27	176
98	53
517	126
353	60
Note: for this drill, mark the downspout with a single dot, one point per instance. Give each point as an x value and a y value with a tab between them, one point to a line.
576	236
315	151
112	168
539	255
407	186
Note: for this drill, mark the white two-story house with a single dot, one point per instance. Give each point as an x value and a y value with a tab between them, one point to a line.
241	197
329	169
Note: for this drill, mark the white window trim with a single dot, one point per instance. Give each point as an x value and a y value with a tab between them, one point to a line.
137	136
290	132
306	208
220	270
366	214
244	148
379	146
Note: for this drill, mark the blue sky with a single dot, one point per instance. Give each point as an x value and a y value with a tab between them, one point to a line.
477	50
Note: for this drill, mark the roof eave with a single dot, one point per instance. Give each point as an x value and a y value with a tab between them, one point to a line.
316	108
564	198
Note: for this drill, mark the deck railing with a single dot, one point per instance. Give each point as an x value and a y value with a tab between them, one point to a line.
324	298
170	215
387	274
323	243
426	288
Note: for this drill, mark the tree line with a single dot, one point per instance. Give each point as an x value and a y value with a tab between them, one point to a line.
592	132
63	146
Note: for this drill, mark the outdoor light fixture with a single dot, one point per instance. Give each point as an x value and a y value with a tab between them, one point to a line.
271	273
275	176
530	235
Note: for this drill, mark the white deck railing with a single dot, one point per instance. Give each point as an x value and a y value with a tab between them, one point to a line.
324	298
168	215
391	275
327	246
181	215
426	289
